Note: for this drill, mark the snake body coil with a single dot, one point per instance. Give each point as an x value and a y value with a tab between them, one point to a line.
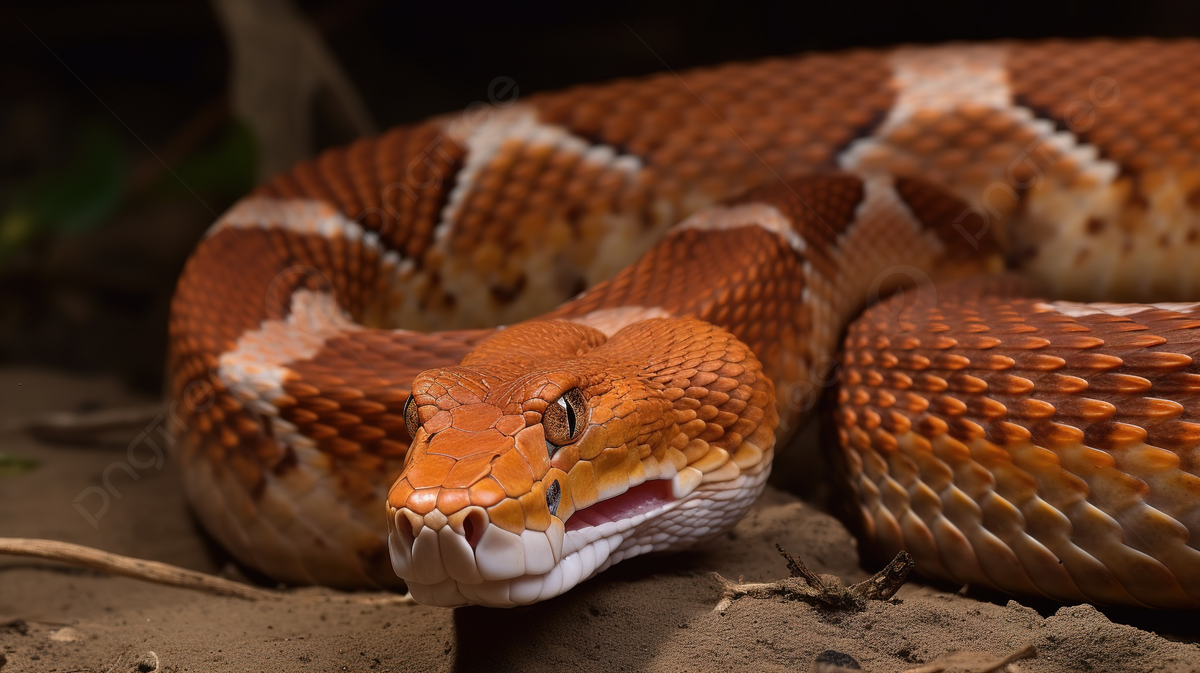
677	259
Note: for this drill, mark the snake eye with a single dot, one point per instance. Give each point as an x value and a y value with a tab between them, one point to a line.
564	419
411	420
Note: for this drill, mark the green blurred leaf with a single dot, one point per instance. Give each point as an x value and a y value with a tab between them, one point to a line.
226	168
17	226
80	197
74	199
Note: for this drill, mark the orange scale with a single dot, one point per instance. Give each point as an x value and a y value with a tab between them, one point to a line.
320	431
423	501
365	434
320	405
532	445
364	407
507	514
268	450
467	471
430	471
399	493
511	424
463	396
245	426
390	448
486	493
248	474
474	417
340	446
459	444
533	504
451	500
340	419
365	462
390	396
513	473
298	389
391	423
229	438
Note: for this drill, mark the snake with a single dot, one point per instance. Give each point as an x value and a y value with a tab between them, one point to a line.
487	356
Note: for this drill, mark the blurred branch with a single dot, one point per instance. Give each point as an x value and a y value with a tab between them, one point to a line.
150	571
84	427
184	578
194	131
280	66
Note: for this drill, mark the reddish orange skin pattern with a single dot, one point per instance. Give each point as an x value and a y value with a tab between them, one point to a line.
466	218
1016	400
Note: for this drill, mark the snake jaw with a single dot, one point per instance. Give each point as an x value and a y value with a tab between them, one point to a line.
504	569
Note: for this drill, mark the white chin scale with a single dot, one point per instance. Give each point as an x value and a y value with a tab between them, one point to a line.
505	569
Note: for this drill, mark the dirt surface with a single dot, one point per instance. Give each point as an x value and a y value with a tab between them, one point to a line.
646	614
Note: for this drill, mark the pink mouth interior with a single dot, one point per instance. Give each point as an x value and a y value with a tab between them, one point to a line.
641	498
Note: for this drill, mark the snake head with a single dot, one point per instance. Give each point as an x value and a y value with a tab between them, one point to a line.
553	451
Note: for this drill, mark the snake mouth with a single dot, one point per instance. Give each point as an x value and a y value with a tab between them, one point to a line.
470	560
644	497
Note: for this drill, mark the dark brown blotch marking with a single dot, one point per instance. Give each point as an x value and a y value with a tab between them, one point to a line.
507	294
958	225
820	208
287	463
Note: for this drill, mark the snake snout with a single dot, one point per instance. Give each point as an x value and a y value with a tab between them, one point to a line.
428	548
445	559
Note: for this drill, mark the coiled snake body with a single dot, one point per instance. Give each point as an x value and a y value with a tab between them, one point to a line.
677	259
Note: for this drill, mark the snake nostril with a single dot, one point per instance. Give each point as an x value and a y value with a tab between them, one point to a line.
553	496
404	529
473	526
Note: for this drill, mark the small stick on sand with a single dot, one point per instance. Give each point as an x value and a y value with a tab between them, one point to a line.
149	571
822	590
884	584
162	573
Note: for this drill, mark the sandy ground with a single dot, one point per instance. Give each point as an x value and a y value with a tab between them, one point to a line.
646	614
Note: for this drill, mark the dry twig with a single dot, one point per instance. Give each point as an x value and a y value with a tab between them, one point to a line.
87	426
822	590
163	573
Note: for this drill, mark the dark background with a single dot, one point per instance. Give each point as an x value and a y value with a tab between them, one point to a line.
93	229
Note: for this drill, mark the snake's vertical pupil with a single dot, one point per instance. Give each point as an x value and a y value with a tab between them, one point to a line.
411	420
564	419
553	496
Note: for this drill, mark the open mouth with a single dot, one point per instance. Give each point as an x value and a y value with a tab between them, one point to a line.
645	497
594	538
